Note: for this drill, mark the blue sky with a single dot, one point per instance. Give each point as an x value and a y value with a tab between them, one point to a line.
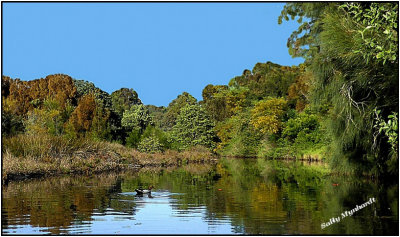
158	49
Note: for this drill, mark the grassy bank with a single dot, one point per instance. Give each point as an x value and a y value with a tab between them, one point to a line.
34	155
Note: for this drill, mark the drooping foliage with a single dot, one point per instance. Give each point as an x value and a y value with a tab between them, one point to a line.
389	128
351	49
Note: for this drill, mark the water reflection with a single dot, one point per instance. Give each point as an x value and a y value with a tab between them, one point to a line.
236	196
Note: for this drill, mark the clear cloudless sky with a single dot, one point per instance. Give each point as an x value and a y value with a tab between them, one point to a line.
158	49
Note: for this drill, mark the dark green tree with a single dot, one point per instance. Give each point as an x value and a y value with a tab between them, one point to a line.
123	99
175	106
158	114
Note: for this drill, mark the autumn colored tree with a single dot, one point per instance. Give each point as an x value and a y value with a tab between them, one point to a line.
267	115
82	117
5	86
21	93
10	122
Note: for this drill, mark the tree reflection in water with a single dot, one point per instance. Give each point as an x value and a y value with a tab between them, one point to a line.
256	196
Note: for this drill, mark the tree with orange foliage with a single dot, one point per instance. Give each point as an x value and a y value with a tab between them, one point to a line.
21	93
82	117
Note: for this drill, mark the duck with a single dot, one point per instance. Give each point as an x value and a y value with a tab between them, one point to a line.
144	191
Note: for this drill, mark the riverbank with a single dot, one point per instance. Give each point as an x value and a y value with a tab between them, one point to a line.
36	155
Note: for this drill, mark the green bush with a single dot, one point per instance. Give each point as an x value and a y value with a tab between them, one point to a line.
133	138
152	131
150	145
302	125
11	124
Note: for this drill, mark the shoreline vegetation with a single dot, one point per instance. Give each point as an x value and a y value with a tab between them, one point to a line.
49	155
339	106
35	156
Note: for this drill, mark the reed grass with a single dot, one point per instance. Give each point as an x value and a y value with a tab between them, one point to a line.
28	155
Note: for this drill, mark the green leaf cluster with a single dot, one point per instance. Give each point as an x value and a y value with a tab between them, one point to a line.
193	127
137	117
378	31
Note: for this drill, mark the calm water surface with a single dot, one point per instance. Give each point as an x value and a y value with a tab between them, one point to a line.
235	196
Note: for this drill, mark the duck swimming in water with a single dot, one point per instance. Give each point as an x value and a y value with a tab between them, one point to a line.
141	191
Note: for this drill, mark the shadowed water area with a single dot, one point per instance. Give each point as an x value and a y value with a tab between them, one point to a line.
235	196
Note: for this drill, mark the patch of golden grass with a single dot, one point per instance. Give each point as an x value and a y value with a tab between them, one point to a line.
40	154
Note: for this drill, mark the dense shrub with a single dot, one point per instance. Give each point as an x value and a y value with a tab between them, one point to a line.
302	124
133	138
150	145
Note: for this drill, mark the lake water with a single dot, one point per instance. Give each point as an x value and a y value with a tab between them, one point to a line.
235	196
